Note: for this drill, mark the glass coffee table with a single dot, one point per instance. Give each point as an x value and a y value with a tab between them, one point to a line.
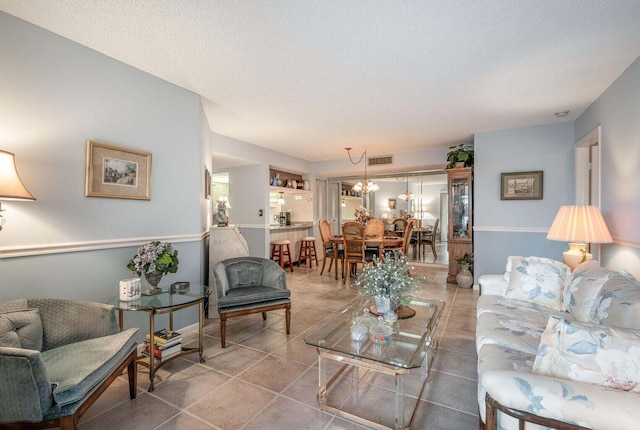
412	346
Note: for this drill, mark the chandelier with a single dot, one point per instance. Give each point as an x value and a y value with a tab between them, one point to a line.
365	186
407	195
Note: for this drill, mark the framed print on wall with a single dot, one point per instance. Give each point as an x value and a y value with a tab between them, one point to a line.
392	203
521	186
117	172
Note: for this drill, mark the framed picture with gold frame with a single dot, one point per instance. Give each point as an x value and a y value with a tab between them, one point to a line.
392	203
117	172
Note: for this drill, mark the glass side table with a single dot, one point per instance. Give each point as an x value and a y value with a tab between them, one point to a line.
163	303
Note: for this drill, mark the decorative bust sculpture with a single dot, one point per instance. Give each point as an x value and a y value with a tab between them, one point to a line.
221	216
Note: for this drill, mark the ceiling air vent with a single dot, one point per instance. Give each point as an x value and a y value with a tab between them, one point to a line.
377	161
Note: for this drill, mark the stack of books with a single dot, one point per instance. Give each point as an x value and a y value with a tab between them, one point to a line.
166	343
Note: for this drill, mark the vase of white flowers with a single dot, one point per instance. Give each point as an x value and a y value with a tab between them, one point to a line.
387	282
154	260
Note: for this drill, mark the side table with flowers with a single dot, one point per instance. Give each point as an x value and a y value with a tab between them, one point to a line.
154	260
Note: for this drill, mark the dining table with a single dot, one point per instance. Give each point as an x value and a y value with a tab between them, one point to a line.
382	242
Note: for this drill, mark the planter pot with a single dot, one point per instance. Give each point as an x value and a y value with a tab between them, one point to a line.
153	279
464	278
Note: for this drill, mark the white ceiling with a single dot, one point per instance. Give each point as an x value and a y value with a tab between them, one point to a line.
309	78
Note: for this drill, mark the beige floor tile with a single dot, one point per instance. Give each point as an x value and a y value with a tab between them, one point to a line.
273	373
456	363
189	386
145	412
234	359
278	416
232	405
453	392
185	421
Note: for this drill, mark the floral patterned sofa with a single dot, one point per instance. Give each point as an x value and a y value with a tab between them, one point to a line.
558	349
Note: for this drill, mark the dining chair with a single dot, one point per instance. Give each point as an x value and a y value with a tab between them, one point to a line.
401	224
374	228
429	238
329	249
355	251
408	235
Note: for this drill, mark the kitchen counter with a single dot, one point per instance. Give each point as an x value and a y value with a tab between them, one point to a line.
293	226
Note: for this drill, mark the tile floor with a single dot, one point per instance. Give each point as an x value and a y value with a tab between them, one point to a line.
265	379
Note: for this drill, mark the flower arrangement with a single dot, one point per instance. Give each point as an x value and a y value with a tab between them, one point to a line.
387	278
155	256
362	215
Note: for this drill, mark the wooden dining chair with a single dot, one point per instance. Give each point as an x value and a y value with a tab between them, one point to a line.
401	224
374	228
355	251
429	238
329	250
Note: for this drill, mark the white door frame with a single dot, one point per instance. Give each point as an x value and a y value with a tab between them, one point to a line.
587	173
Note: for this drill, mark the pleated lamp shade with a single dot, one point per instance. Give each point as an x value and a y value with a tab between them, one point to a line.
11	187
579	225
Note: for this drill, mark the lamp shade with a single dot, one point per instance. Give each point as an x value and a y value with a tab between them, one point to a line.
583	224
11	187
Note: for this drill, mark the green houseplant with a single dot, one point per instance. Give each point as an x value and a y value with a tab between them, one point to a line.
460	153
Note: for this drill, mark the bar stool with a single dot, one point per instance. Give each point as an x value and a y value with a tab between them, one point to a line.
279	250
308	251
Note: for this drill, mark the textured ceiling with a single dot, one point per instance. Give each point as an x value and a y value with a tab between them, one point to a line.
309	78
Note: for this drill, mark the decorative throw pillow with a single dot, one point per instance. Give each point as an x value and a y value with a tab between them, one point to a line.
584	352
539	280
618	302
21	329
586	281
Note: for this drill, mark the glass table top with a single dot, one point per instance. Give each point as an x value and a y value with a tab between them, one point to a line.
166	299
409	342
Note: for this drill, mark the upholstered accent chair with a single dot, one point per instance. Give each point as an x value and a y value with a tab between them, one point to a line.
57	357
247	285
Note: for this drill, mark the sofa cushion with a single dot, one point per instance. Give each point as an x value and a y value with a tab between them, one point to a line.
254	296
539	280
21	329
595	354
510	323
618	303
77	368
583	288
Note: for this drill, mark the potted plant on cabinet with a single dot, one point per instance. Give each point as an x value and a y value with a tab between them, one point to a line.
460	156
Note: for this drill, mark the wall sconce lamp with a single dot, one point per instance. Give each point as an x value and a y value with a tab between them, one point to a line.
579	225
11	187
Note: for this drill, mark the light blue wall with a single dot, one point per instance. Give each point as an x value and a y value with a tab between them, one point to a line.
56	94
519	227
617	111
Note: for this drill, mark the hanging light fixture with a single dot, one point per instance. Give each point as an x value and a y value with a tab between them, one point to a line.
406	195
365	186
11	187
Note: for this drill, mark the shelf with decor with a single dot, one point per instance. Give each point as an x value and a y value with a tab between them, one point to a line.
460	231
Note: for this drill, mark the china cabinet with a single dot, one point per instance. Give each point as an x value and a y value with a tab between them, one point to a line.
460	233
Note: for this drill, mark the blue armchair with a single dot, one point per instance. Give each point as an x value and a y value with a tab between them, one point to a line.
56	358
247	285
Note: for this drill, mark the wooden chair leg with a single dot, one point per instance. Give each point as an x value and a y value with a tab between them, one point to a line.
264	315
132	373
223	329
287	317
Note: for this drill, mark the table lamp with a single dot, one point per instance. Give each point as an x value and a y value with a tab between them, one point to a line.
11	187
578	225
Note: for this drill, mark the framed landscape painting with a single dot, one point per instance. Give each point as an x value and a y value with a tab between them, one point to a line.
117	172
521	186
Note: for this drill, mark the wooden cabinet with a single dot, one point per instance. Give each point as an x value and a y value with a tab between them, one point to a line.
460	232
